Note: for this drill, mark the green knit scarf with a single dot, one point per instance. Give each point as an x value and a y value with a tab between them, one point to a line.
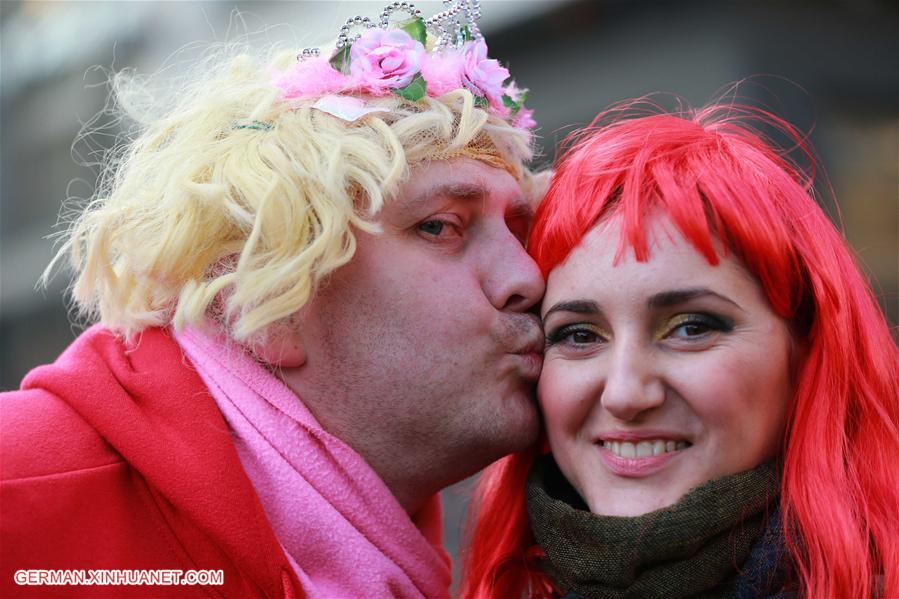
690	549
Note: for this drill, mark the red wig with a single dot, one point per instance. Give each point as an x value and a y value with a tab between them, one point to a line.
716	177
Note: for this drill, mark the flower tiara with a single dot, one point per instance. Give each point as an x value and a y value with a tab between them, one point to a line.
412	58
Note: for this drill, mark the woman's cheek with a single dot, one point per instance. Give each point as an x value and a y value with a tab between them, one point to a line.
565	394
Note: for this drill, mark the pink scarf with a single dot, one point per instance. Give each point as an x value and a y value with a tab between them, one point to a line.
340	526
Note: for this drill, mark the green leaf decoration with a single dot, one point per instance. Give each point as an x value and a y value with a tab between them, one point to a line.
258	125
481	102
508	102
466	34
415	27
414	91
341	60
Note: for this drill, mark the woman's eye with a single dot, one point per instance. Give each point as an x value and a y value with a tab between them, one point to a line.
573	336
690	329
694	326
583	337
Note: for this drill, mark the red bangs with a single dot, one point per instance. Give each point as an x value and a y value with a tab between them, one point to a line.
712	181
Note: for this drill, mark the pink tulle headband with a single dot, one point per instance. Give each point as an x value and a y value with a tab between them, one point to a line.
396	60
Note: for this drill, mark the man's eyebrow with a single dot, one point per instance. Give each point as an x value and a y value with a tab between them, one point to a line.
576	306
666	299
468	192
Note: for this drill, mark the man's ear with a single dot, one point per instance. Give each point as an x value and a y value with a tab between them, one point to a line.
281	345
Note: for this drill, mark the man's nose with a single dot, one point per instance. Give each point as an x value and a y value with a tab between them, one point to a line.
632	386
512	281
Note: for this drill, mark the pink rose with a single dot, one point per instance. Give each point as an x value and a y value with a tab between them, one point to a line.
385	59
484	76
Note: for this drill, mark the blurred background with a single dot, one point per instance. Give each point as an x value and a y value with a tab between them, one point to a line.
830	67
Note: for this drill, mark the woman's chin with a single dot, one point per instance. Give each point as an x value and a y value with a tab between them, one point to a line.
630	497
626	508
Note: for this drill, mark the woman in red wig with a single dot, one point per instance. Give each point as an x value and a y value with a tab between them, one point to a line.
719	385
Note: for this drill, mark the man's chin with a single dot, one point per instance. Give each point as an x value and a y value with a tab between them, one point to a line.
519	425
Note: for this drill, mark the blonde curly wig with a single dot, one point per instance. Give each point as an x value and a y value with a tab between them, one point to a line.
236	203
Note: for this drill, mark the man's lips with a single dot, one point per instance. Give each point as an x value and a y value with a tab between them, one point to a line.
530	365
530	343
531	351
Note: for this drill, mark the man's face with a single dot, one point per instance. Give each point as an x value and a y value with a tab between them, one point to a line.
422	340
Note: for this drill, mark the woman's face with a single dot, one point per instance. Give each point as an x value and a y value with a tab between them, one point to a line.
658	375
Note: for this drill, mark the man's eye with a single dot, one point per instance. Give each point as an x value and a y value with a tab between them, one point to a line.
432	227
446	228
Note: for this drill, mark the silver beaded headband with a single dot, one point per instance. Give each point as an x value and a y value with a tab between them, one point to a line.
446	24
412	58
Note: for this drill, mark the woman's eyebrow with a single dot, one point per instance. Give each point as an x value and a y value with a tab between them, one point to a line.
674	297
576	306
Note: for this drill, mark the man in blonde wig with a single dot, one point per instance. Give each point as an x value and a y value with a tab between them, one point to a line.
312	298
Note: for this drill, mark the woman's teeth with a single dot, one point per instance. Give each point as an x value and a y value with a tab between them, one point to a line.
643	449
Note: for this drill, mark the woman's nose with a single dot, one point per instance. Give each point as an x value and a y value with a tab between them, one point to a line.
632	385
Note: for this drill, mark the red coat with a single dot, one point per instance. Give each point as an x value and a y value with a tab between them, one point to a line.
120	459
